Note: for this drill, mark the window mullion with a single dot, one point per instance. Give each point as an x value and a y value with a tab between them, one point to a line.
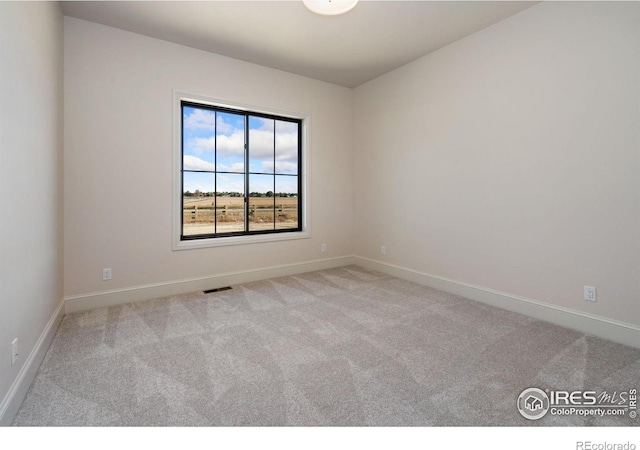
246	173
274	174
300	196
215	174
181	173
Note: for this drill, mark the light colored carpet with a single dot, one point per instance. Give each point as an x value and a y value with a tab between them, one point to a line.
336	347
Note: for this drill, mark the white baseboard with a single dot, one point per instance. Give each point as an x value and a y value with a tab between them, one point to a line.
18	390
623	333
603	327
157	290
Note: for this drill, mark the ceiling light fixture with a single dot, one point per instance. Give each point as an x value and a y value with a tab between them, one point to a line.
330	7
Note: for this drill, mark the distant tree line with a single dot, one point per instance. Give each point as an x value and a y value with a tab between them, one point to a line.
199	194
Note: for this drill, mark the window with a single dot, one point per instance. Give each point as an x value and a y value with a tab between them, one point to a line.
240	172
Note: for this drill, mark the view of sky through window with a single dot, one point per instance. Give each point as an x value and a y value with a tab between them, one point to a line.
273	150
240	172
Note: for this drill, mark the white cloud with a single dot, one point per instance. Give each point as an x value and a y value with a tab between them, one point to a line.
286	167
265	124
200	119
236	167
231	145
194	163
261	144
227	145
223	126
202	145
286	140
287	144
281	166
261	141
286	127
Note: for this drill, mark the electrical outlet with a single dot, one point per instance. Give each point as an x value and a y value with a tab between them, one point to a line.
590	294
106	274
383	250
14	351
323	248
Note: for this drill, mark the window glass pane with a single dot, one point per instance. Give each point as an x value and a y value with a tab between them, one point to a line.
261	141
230	203
286	202
198	203
286	147
240	172
261	202
198	139
230	148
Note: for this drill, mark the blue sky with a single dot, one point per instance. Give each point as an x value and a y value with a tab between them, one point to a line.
267	138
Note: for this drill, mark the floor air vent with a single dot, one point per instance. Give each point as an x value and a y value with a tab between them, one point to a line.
209	291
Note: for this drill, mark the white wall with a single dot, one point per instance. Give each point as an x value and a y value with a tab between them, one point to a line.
510	159
30	183
118	158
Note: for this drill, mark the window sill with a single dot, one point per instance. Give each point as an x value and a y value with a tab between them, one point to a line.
239	240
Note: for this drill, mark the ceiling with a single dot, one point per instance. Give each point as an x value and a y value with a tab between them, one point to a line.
370	40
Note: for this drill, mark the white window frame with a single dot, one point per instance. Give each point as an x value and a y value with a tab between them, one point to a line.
178	244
